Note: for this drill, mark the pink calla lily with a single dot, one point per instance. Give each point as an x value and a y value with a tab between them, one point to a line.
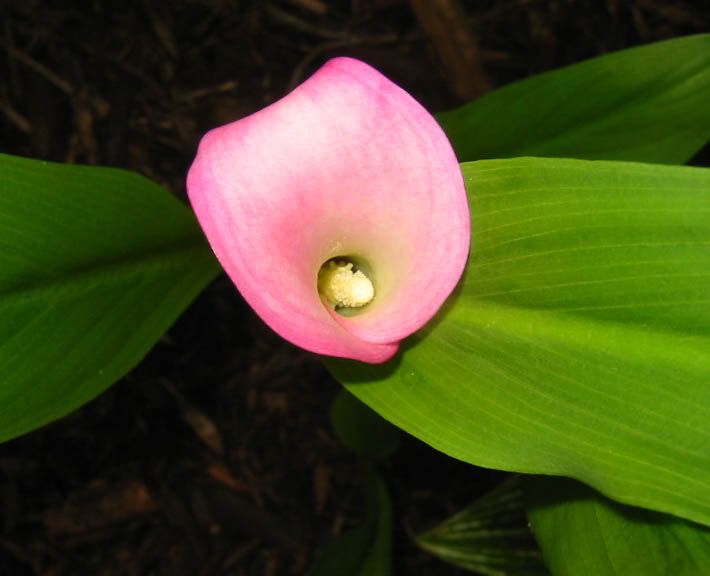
347	168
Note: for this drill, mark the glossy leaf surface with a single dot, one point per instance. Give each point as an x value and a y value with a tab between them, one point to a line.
584	534
95	265
578	342
645	104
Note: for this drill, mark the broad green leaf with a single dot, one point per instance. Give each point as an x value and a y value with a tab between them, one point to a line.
365	550
578	343
95	265
584	534
362	429
645	104
491	536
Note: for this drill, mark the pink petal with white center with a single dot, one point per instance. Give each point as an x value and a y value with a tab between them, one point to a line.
348	164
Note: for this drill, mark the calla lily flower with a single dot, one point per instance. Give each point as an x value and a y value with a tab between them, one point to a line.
339	212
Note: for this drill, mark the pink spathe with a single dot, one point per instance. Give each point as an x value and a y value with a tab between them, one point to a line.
348	164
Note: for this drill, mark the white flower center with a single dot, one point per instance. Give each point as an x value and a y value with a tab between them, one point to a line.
344	288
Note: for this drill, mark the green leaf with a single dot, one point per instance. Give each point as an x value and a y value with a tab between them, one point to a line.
345	556
95	265
361	429
646	104
578	343
491	536
378	561
365	550
584	534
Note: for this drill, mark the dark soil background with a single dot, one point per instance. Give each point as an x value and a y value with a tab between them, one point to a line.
216	456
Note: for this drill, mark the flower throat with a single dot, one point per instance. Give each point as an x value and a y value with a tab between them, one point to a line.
344	285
